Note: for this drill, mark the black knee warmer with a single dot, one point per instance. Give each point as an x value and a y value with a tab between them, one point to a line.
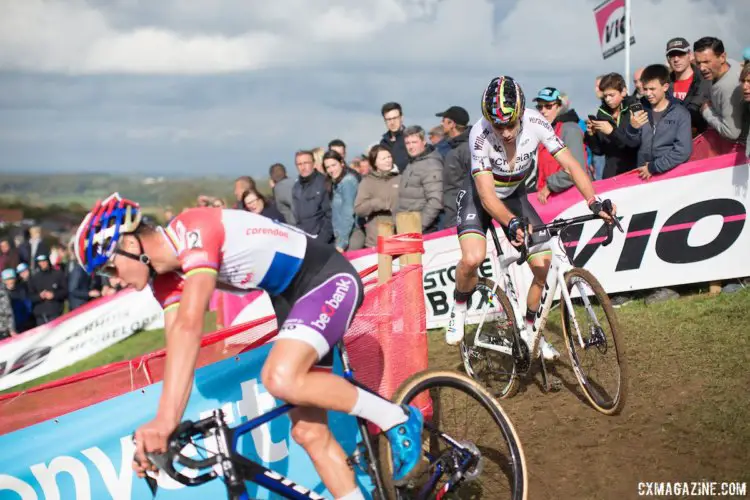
530	315
461	296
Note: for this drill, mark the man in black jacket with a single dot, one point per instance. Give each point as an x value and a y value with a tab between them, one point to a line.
48	291
687	83
393	139
311	199
457	162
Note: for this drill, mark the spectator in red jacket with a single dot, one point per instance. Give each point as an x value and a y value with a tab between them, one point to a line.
551	178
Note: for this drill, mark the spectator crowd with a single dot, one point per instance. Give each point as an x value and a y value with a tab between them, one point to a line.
39	281
339	199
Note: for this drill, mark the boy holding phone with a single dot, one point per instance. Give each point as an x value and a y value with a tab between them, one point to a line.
605	131
662	130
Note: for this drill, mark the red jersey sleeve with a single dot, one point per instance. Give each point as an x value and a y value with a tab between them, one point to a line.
197	236
167	288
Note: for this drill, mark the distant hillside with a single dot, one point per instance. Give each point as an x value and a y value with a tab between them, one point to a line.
85	189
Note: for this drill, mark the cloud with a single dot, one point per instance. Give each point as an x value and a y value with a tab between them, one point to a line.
172	85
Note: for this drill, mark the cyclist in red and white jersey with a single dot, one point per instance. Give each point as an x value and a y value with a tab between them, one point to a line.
503	144
315	291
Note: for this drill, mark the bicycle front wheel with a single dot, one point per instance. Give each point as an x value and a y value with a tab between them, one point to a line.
592	336
493	366
467	436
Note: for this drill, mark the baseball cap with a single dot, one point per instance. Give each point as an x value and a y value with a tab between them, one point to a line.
548	94
8	274
457	114
678	44
746	54
22	267
41	257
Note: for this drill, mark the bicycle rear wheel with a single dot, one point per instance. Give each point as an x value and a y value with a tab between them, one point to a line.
594	342
496	370
490	461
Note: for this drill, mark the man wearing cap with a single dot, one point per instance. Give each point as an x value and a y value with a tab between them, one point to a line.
48	291
551	178
455	122
23	273
687	83
18	293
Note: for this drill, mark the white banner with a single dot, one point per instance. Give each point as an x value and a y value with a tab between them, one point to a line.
77	335
686	226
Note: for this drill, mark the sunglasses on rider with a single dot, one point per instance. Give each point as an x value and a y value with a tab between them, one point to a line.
108	270
507	126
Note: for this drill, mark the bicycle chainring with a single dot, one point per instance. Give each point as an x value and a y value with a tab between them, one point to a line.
521	356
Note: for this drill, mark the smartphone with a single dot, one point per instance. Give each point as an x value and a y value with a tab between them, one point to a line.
593	118
636	107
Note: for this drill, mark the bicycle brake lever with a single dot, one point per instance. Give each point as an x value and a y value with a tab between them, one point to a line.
153	484
524	249
607	207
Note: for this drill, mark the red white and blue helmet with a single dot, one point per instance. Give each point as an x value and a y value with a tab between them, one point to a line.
503	102
97	236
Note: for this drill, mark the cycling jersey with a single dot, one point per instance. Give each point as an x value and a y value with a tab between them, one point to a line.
488	153
245	251
314	289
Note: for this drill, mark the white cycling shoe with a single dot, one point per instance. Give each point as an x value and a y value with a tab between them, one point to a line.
454	334
548	352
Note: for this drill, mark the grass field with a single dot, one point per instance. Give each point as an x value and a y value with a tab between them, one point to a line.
687	417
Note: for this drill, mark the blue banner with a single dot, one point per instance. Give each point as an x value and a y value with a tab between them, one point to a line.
87	454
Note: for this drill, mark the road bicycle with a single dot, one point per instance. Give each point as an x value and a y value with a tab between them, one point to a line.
495	353
451	465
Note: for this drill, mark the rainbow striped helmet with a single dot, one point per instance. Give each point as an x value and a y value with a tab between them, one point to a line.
97	236
503	102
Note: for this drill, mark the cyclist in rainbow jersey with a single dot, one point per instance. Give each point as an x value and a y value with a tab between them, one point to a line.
503	145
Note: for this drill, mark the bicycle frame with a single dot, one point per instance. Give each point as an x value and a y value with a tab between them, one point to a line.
559	265
237	469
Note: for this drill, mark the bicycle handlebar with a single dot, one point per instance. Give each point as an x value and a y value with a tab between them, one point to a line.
558	224
177	440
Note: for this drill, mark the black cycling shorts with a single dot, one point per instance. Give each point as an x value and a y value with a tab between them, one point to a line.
473	219
320	303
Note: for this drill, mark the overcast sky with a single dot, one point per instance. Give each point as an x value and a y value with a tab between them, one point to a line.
231	86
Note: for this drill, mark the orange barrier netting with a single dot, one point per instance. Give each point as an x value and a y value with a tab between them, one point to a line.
386	343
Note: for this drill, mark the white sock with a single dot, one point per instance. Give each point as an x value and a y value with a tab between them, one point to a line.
355	494
461	307
377	410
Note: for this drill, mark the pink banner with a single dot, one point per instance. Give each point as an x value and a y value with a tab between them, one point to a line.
557	203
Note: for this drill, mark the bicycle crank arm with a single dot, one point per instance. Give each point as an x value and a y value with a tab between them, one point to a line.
493	347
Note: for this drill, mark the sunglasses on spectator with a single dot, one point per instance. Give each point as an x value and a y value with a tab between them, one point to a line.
549	105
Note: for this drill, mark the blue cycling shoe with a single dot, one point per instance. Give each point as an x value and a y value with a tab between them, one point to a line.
406	443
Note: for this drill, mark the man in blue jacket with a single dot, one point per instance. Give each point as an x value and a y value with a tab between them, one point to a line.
661	131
